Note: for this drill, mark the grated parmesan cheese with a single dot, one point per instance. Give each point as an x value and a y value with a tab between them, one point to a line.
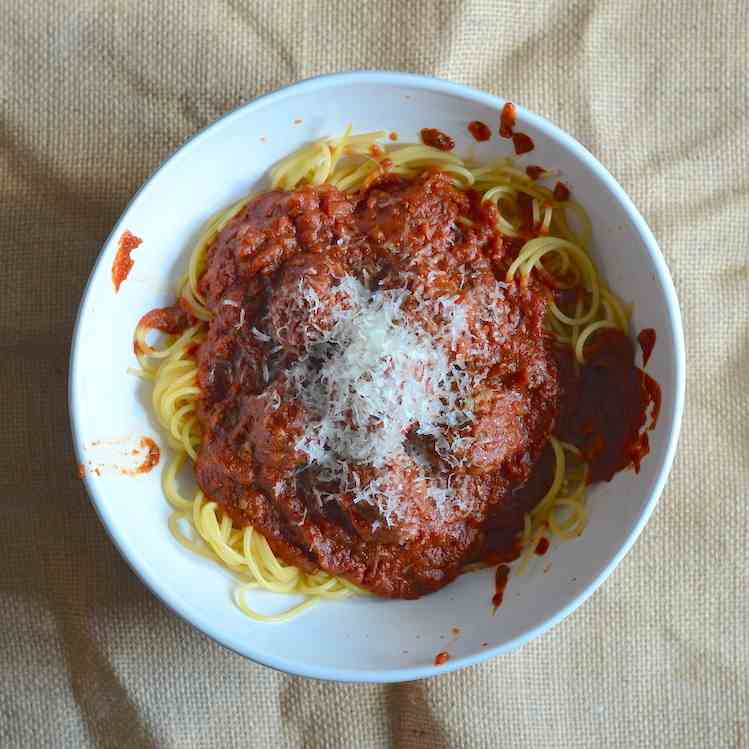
375	375
264	337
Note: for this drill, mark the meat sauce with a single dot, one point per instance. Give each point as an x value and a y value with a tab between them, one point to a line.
285	248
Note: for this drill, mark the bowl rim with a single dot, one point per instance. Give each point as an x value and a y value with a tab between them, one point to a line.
426	83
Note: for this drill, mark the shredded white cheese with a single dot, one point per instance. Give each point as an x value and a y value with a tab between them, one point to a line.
264	337
368	381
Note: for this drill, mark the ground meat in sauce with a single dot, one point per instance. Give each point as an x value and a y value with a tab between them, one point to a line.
285	249
296	319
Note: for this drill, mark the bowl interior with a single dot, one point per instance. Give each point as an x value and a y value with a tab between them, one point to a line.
365	638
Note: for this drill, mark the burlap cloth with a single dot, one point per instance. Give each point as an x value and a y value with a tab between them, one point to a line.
93	95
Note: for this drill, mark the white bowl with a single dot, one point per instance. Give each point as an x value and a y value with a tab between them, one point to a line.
363	639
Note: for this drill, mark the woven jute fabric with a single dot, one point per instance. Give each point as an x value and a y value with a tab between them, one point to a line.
95	94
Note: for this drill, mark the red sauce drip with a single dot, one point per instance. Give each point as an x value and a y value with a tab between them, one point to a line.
123	263
646	340
152	456
523	143
81	471
652	392
561	192
393	135
534	172
638	450
441	658
500	584
430	136
150	460
542	547
507	119
479	130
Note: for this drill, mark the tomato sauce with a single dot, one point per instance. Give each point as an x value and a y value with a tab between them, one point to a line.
542	547
646	339
507	118
441	658
534	172
652	396
501	576
123	263
479	130
561	192
522	143
153	455
437	139
171	320
604	405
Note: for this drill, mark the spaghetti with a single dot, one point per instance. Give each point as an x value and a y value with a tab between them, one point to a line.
553	238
